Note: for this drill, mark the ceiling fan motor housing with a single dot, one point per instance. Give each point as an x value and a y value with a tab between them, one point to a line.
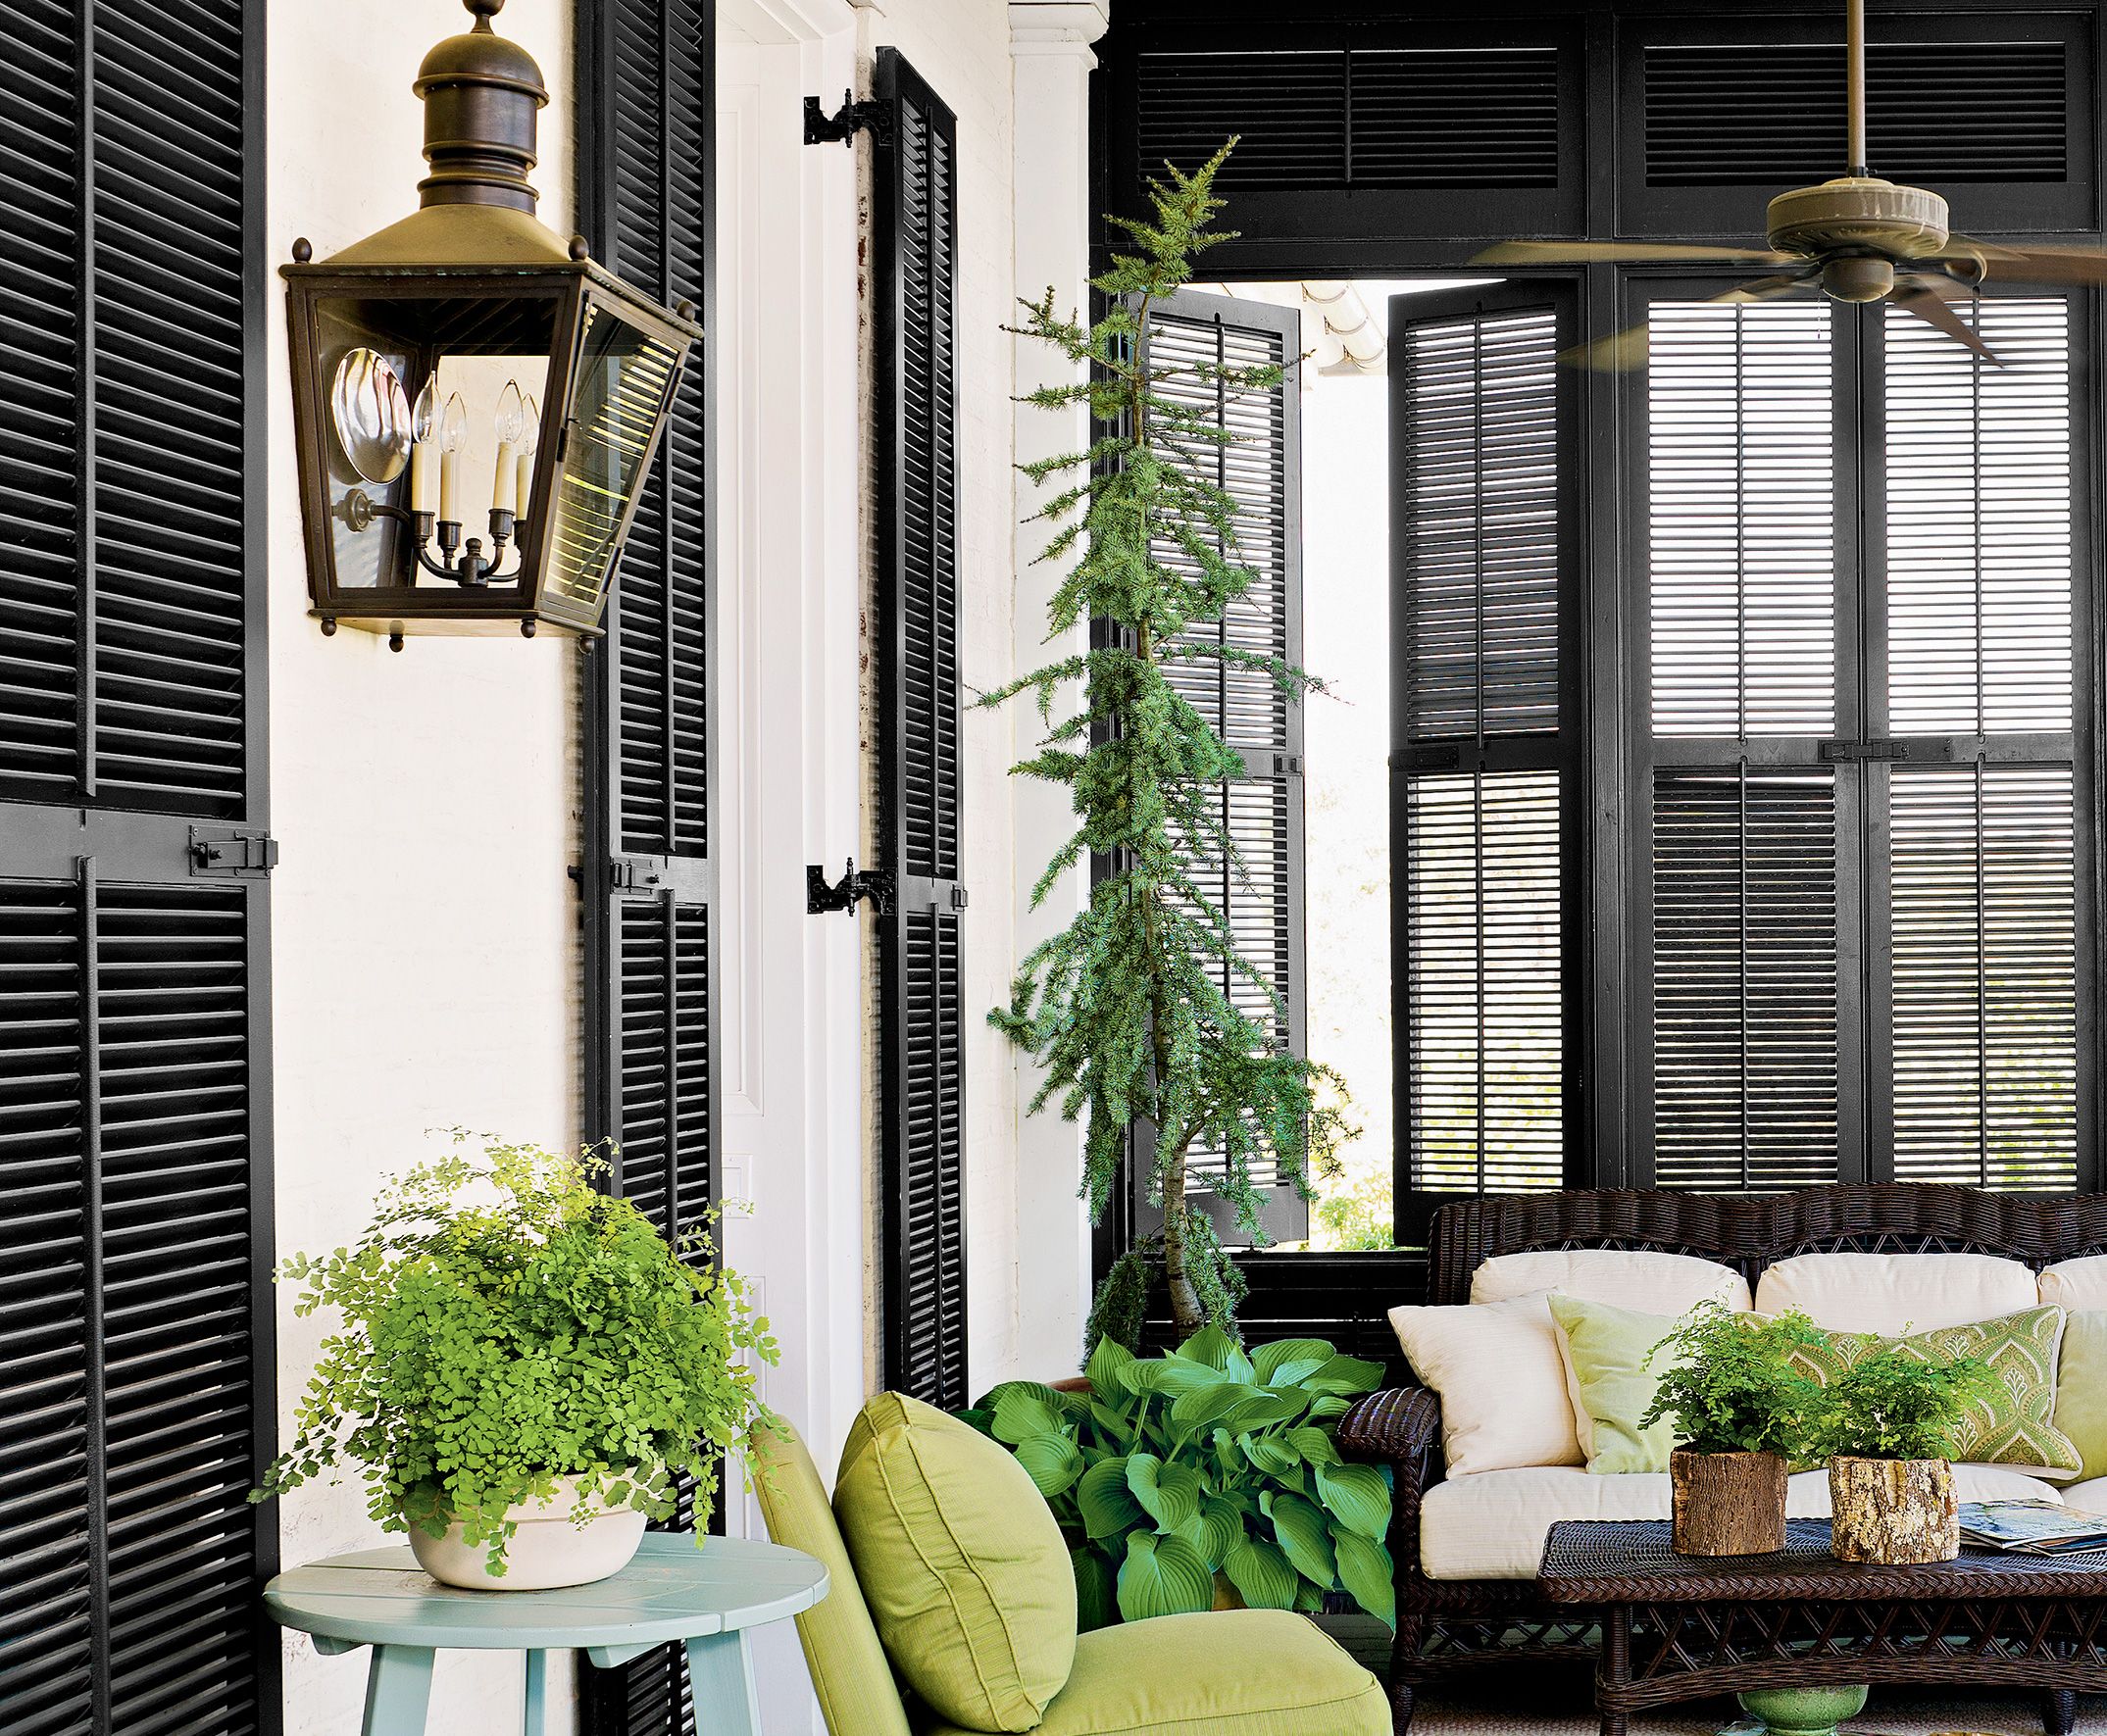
1858	214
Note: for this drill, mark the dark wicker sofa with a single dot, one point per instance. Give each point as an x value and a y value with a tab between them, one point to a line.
1455	1624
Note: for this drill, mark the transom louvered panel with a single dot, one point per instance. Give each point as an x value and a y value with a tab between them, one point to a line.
1309	119
49	1475
1742	489
1483	1000
1479	550
1979	522
1774	113
931	1348
929	497
1747	997
124	504
1984	970
921	936
1246	707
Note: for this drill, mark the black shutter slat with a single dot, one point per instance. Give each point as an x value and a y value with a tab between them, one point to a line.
1262	812
921	939
1482	429
647	152
134	1306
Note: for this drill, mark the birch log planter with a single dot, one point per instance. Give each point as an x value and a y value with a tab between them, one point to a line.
1892	1511
1727	1504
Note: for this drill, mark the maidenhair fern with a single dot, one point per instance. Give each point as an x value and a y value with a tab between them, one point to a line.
1126	1008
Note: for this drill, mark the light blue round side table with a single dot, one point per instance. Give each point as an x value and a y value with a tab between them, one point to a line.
709	1599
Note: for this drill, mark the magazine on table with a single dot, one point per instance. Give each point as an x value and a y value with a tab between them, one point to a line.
2031	1527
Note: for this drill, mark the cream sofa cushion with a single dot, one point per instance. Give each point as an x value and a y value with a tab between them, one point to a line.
1492	1525
1641	1278
1895	1293
2076	1283
2088	1497
1502	1384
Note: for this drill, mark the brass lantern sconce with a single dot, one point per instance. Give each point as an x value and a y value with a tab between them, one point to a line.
477	404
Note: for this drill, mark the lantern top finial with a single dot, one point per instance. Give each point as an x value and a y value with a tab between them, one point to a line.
481	94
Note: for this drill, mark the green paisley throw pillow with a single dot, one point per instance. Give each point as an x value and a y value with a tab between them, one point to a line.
2015	1425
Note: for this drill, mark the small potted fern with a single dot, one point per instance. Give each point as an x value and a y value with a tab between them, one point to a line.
526	1368
1739	1407
1886	1426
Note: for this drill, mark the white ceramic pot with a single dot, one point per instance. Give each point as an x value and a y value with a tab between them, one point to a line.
546	1551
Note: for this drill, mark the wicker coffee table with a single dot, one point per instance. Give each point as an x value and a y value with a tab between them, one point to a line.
1677	1627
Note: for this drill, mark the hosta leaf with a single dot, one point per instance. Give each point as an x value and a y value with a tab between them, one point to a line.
1219	1527
1314	1445
1169	1494
1163	1576
1358	1496
1365	1572
1106	1363
1052	1461
1211	1347
1201	1405
1345	1374
1183	1378
1261	1575
1303	1531
1108	1507
1263	1408
1327	1408
979	1418
1143	1378
1024	1411
1096	1591
1289	1360
1276	1458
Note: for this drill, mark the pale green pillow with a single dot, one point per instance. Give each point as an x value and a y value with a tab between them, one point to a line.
2016	1424
1606	1350
961	1565
2081	1388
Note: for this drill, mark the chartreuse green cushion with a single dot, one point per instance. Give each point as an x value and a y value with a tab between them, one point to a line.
960	1560
849	1670
1233	1672
1606	1351
2014	1424
2081	1388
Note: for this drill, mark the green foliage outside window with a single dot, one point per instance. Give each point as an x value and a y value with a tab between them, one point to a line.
504	1324
1126	1009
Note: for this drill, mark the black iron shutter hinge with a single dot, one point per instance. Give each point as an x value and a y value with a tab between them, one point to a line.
876	885
633	873
1849	752
240	856
852	118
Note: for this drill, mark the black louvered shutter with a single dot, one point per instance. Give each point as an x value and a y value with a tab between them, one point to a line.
921	939
1263	810
646	116
136	1349
1484	531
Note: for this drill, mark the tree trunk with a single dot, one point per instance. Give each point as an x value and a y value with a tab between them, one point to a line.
1892	1511
1727	1504
1186	1314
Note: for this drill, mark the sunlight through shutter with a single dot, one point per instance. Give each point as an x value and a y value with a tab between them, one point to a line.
136	1364
921	940
1478	421
647	154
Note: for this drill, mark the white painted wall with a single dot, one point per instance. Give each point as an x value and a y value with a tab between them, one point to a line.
424	965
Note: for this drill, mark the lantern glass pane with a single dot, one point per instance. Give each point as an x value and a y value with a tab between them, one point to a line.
624	378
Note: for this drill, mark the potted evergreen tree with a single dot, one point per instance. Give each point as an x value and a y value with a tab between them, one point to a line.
1739	1409
1127	1009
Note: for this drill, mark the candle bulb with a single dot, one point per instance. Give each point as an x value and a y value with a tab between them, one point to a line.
529	441
452	433
425	448
510	419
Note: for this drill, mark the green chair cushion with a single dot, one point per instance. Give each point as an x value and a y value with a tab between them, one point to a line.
1231	1672
960	1560
2081	1388
850	1673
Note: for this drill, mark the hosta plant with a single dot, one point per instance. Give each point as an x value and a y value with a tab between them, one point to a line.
504	1324
1173	1470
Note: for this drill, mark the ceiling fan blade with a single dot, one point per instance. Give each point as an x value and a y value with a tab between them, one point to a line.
1626	349
2049	265
1922	299
1578	253
1770	288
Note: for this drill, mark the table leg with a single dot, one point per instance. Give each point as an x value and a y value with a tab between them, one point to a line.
2060	1711
1614	1671
721	1677
537	1720
398	1690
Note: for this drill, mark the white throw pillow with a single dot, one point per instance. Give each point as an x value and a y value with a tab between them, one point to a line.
1500	1378
1895	1293
2074	1284
1640	1278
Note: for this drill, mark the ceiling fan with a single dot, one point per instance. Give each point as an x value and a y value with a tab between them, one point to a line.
1857	238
